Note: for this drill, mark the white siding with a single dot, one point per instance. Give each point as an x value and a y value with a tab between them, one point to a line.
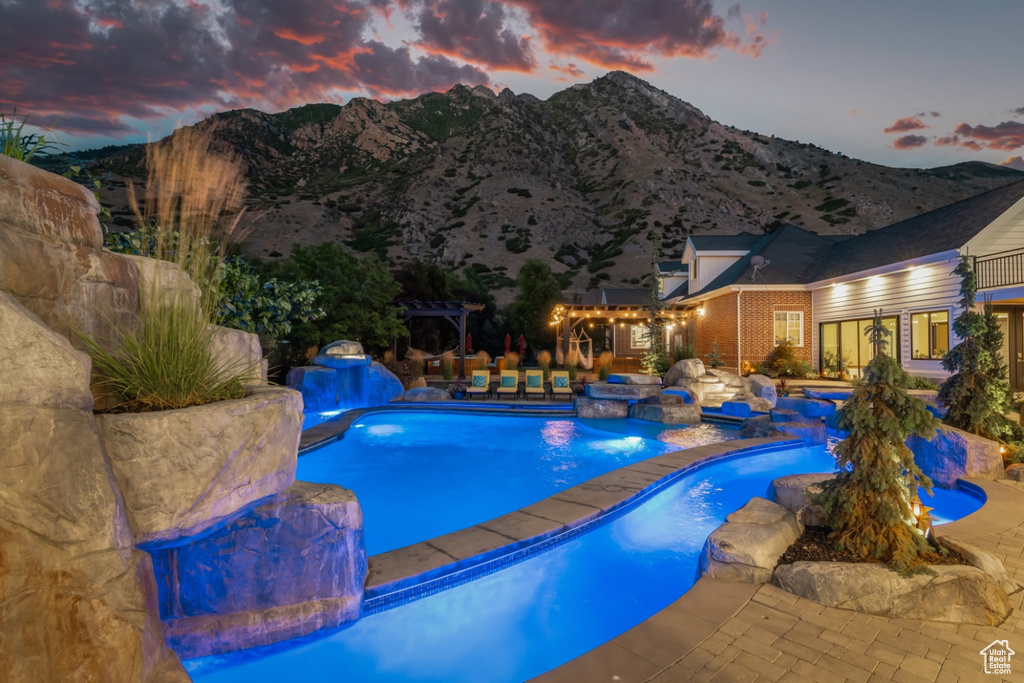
710	267
925	288
1003	234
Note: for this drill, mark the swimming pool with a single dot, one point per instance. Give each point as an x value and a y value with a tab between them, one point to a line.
423	474
537	614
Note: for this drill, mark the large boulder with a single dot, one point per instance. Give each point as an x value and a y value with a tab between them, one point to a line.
622	392
955	454
736	383
793	493
763	387
808	407
184	471
318	386
684	369
1015	472
427	394
983	560
692	386
633	378
343	347
293	564
77	602
666	413
382	386
666	398
684	395
812	434
748	546
599	408
950	593
242	350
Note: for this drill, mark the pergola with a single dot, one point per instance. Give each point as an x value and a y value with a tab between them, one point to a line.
566	317
454	312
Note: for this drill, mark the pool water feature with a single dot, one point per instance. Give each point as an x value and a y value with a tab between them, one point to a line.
535	615
423	474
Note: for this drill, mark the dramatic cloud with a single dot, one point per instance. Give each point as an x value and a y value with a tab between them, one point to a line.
1014	162
1007	136
569	71
907	124
474	30
100	62
948	141
627	35
1019	111
909	141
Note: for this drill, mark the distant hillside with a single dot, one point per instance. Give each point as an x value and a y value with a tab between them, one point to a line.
483	181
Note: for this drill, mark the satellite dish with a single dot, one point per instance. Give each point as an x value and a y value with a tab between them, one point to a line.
757	261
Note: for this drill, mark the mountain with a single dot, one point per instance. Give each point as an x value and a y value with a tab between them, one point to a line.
484	181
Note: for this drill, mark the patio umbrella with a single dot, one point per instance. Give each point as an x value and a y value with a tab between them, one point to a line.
469	342
508	343
522	346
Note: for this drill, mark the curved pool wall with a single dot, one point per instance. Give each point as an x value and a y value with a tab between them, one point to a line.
550	604
423	474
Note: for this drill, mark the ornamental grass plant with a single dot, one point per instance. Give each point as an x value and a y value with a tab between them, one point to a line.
192	204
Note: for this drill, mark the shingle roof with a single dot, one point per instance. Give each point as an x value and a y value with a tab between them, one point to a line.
743	240
673	267
791	254
679	291
944	229
616	297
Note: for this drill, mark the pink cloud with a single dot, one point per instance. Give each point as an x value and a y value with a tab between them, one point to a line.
906	124
1007	136
909	141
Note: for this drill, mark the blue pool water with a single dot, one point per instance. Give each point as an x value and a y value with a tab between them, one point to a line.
542	612
421	474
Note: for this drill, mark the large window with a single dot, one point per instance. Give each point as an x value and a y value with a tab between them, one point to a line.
845	346
789	326
929	335
639	337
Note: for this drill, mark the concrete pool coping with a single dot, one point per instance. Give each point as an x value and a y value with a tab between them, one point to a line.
415	571
656	644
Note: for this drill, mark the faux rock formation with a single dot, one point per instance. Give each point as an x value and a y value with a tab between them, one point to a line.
183	471
343	348
983	560
951	593
1015	472
77	602
812	434
293	564
684	395
599	408
633	378
955	454
236	348
665	399
748	546
666	413
427	394
621	392
763	387
318	386
808	407
688	368
791	492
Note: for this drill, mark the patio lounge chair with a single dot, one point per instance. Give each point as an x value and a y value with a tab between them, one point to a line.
534	384
560	384
509	383
480	384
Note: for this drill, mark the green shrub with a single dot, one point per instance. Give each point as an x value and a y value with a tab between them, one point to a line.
682	352
923	383
782	362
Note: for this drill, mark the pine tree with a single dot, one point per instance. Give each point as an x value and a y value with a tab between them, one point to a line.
868	505
977	394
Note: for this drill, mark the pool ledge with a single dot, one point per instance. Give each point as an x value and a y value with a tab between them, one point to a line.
654	645
428	567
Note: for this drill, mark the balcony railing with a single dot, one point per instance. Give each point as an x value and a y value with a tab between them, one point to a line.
1003	269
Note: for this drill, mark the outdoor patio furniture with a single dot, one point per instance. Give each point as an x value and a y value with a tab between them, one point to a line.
509	384
534	384
560	384
480	384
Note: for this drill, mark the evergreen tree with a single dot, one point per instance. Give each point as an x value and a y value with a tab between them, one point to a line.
868	505
538	294
977	394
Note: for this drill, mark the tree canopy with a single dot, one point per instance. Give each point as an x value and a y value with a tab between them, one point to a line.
538	294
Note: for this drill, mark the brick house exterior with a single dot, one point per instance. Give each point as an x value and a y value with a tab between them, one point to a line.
717	324
757	312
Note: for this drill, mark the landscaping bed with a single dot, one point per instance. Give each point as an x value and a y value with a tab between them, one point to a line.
813	546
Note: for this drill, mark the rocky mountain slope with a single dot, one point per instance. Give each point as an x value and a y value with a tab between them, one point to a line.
484	181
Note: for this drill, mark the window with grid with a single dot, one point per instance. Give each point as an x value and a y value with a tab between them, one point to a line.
929	335
789	325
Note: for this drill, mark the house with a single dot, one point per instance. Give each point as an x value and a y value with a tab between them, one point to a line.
820	292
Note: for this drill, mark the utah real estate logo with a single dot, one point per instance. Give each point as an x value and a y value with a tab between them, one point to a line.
997	657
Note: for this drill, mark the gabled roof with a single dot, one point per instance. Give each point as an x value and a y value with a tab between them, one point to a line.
665	267
944	229
679	291
616	297
739	242
792	256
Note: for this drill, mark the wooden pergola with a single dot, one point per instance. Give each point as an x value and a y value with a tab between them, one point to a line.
566	317
454	312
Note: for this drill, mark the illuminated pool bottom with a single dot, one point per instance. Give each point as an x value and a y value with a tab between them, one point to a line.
535	615
421	474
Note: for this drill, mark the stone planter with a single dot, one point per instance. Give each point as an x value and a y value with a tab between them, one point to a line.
183	471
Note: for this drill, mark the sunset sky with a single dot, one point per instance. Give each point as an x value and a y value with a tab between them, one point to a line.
908	83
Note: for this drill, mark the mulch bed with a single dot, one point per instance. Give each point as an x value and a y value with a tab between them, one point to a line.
814	546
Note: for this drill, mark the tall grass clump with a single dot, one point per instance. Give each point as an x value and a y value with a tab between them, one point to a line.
447	365
192	204
604	365
511	360
544	363
572	361
17	144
